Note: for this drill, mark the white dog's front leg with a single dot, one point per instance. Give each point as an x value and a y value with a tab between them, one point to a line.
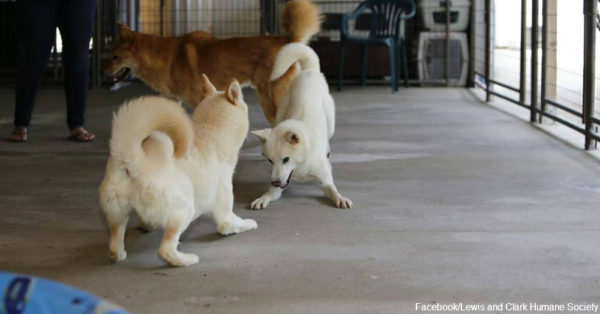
326	182
332	193
262	202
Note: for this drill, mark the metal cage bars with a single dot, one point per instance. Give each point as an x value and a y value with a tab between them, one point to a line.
590	11
270	16
537	105
178	18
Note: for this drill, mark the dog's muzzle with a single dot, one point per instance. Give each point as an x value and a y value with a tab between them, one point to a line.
287	182
120	75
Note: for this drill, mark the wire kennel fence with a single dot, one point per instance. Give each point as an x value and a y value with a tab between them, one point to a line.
232	18
222	18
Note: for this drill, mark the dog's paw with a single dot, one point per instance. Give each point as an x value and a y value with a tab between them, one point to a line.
186	259
117	256
248	224
260	203
179	259
237	226
342	202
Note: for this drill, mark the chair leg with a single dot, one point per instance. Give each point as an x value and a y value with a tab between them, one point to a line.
404	58
394	67
341	65
363	65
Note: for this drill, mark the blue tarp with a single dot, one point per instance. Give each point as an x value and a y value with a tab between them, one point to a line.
22	294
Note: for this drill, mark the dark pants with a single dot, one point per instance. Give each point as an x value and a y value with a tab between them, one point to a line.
38	20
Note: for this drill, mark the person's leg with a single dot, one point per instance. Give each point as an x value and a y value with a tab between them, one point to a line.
76	23
37	21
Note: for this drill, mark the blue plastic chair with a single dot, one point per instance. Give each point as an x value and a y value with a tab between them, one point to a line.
387	17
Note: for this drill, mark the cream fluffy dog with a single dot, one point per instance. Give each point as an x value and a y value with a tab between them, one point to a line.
299	143
171	169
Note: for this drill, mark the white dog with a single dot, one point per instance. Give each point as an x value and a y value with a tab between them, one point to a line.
299	143
171	169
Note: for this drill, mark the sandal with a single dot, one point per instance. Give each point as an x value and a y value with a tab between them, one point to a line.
79	134
18	135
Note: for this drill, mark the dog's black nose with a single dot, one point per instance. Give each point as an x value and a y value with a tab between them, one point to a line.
276	183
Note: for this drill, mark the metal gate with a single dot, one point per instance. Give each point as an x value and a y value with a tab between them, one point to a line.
557	84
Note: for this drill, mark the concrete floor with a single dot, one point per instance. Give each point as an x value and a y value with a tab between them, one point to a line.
455	202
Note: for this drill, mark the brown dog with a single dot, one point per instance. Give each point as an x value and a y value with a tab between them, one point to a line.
173	65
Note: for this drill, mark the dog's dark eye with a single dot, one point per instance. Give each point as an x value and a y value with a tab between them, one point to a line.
286	159
270	160
115	57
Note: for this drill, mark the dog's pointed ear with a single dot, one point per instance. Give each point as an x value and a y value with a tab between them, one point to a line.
124	32
261	134
291	137
207	87
234	92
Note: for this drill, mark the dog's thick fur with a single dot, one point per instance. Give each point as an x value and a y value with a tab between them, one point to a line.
299	143
172	65
170	168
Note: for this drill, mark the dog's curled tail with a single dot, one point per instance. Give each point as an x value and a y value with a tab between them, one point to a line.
301	20
292	53
136	120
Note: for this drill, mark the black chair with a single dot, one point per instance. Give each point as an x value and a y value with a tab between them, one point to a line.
387	17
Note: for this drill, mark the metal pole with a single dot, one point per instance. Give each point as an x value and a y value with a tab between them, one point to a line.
523	62
161	17
472	46
130	15
176	18
263	19
273	19
544	58
590	10
135	18
534	59
447	72
488	47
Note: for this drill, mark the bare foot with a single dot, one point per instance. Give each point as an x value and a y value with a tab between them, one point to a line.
18	135
79	134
